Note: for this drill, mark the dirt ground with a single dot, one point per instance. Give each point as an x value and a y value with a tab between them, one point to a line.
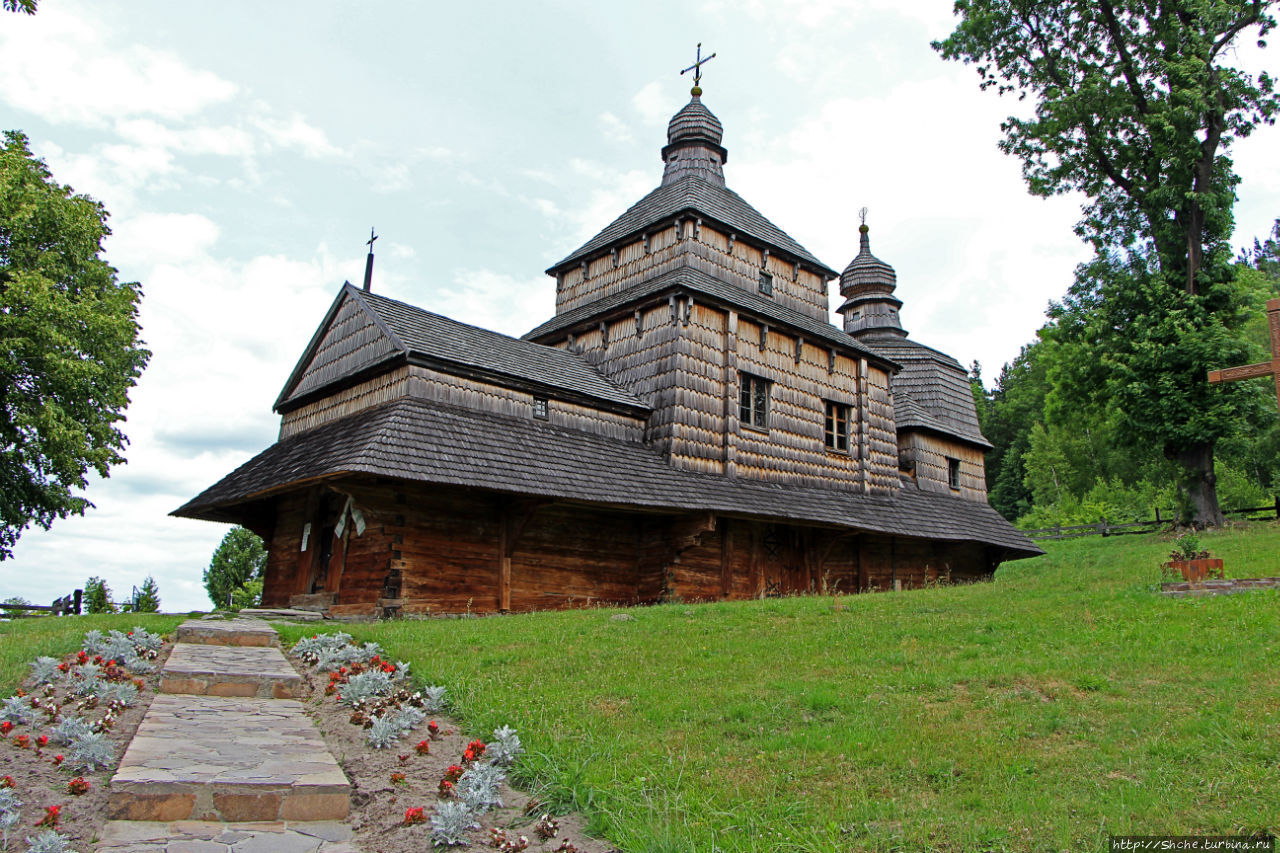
378	804
39	782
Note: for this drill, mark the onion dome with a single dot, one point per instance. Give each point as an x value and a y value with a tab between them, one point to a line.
693	144
870	308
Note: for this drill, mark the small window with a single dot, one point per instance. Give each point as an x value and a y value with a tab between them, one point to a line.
766	283
540	407
837	427
753	402
953	473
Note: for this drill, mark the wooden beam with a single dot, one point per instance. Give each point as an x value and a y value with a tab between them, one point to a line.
1235	374
726	557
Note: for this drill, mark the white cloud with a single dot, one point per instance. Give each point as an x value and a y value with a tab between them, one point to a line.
613	128
160	238
653	103
296	133
496	301
64	68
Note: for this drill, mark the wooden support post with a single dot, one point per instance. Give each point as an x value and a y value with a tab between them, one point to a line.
504	566
726	557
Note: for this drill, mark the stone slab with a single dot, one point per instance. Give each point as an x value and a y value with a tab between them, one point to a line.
207	670
283	613
227	632
188	836
224	758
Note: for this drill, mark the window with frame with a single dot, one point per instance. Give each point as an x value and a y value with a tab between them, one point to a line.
540	408
766	283
753	401
836	431
953	473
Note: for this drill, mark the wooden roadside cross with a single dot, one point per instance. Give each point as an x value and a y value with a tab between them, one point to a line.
1265	368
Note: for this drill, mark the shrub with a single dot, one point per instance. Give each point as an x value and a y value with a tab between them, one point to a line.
450	823
91	751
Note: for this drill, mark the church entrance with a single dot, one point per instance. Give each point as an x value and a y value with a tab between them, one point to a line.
781	560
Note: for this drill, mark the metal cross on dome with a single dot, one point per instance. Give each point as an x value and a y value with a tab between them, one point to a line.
696	67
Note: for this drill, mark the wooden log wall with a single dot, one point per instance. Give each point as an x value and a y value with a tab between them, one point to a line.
880	435
427	384
352	342
695	244
372	392
453	550
927	454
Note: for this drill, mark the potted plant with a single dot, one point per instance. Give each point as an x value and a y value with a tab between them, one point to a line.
1191	562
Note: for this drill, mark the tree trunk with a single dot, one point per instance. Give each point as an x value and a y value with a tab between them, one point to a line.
1200	484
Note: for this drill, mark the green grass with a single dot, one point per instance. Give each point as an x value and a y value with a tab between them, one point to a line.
24	640
1043	711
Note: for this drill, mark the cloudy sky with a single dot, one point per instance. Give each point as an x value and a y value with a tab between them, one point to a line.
245	149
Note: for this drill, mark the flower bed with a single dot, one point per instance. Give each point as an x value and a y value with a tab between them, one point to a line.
418	782
62	735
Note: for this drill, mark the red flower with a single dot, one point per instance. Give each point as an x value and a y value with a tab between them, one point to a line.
397	778
78	786
474	750
414	815
423	748
6	782
82	656
97	659
454	773
446	788
433	730
62	667
404	759
57	759
6	727
22	741
43	740
50	816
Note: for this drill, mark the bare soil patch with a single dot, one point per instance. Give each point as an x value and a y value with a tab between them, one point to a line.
40	781
378	804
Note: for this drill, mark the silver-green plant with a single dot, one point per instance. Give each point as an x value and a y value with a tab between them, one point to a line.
384	731
450	822
367	685
49	841
10	813
90	751
145	640
44	670
17	710
433	698
309	648
68	729
505	747
93	641
479	787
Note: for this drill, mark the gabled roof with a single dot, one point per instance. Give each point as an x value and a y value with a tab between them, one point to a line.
692	194
931	391
417	441
365	332
692	280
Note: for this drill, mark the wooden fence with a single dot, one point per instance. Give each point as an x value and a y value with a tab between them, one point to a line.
65	606
1105	528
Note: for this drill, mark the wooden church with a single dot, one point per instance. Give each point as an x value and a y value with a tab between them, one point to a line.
688	426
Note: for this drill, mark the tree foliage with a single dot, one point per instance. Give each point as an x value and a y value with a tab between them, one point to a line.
69	348
28	6
1136	105
97	596
239	560
148	600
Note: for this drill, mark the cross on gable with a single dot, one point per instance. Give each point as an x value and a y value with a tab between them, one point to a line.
1265	368
696	68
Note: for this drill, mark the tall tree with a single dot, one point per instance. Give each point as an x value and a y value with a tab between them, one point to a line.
1136	106
238	560
69	348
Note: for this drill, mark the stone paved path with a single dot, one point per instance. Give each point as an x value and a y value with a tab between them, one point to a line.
222	762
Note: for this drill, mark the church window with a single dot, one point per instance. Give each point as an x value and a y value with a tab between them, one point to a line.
753	402
540	408
766	283
837	427
953	473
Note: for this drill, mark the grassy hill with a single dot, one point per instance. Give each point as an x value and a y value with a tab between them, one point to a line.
1062	702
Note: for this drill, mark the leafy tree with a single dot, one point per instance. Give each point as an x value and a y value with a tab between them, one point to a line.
28	6
1136	106
15	599
239	559
148	600
97	596
69	348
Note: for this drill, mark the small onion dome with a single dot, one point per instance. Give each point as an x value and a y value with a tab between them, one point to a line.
695	123
866	271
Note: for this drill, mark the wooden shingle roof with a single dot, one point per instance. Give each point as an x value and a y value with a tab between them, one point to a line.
365	332
417	441
695	195
931	390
